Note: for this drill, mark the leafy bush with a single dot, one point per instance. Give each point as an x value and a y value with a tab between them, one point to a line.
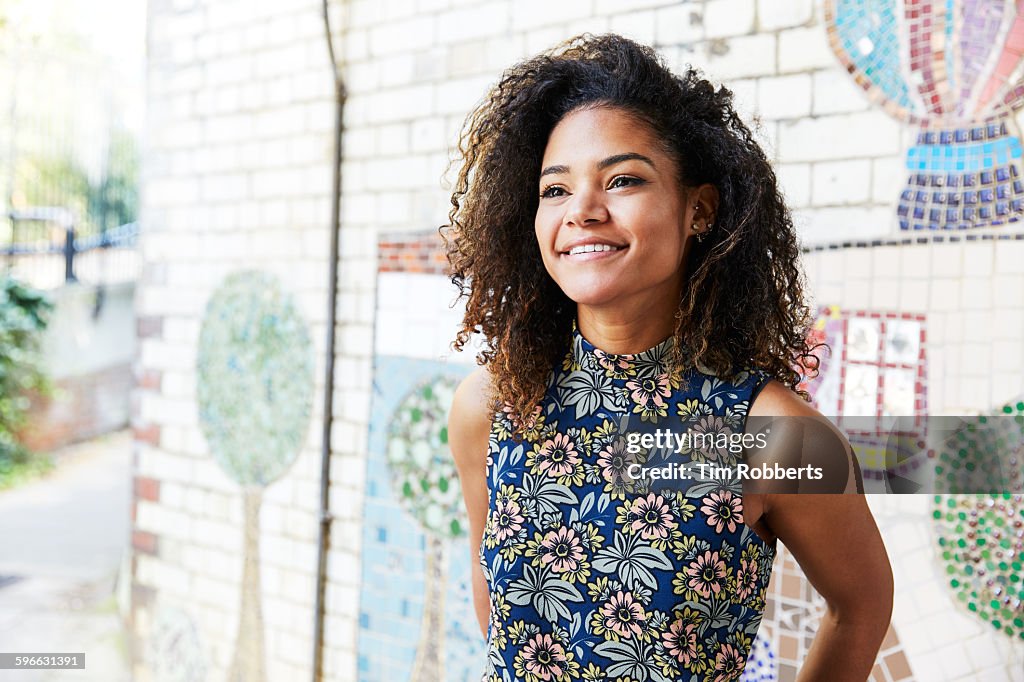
24	314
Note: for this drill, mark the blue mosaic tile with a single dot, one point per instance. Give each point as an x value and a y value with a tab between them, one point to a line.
868	33
937	64
395	545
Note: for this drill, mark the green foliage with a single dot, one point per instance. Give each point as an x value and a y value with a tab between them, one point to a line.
24	314
114	201
47	180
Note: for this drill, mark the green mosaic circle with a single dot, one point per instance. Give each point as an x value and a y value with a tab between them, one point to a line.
984	455
174	648
981	542
423	475
255	378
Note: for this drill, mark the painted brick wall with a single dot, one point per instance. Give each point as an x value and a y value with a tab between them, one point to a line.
237	176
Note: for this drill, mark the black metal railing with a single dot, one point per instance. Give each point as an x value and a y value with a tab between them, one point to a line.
45	250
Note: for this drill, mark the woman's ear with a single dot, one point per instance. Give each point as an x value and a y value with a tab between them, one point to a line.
705	198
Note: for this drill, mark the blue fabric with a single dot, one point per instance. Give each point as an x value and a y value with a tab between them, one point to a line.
596	576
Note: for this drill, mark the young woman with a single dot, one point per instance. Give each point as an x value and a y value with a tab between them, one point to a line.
630	263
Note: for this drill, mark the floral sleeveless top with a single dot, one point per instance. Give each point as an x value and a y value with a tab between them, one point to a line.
597	574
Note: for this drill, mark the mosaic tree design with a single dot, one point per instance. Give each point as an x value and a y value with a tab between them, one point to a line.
255	395
981	537
955	70
175	651
424	479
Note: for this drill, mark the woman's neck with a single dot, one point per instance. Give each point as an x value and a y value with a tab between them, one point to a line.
624	332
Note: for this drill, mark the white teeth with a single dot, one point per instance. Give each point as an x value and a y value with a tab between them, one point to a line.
592	247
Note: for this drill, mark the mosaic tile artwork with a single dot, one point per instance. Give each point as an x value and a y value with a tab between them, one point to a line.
792	615
761	665
416	619
876	368
421	252
980	538
174	649
463	642
981	543
984	455
255	394
254	378
419	460
955	70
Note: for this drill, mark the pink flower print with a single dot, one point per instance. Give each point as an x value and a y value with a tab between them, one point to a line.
615	365
707	433
681	641
558	456
544	657
649	393
723	509
562	550
651	517
706	574
729	664
613	461
623	615
746	579
507	518
529	424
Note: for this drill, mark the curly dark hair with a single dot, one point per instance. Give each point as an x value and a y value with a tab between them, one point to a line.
744	299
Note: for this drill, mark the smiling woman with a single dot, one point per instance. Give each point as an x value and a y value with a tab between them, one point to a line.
630	263
612	227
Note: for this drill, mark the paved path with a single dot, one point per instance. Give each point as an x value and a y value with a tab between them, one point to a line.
63	540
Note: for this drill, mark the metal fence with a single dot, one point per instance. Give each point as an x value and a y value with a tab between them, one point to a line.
46	252
68	166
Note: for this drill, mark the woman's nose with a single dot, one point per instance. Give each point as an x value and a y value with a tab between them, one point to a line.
585	207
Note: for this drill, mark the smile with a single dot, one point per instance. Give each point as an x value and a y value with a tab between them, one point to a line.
590	248
593	252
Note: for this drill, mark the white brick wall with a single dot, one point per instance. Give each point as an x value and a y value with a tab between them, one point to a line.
238	174
784	96
727	18
774	15
841	182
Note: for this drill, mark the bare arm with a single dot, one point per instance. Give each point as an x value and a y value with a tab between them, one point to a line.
468	427
837	544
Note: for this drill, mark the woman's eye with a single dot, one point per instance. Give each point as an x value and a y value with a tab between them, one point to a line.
550	192
627	181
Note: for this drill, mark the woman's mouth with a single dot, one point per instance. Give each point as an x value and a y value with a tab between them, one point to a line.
592	251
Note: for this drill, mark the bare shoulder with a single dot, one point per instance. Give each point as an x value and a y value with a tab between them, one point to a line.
777	400
800	437
469	420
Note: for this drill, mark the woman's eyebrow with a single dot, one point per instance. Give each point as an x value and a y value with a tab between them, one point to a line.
619	158
604	163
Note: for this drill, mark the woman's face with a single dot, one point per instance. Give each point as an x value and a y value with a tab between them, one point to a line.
613	221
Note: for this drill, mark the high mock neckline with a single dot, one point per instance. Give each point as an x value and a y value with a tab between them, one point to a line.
583	348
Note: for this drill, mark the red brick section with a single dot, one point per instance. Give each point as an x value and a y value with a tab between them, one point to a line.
82	407
147	488
421	252
145	542
149	433
149	378
149	327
